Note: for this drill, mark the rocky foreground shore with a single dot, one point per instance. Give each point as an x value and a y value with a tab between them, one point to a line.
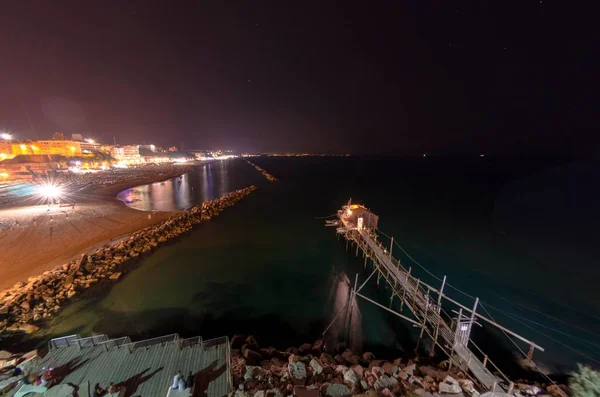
28	303
309	371
269	177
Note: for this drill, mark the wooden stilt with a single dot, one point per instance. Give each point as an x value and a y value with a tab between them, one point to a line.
423	326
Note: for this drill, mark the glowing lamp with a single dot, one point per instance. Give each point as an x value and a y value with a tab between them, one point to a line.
6	136
4	175
50	191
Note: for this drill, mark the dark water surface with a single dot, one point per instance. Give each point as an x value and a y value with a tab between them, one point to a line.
268	268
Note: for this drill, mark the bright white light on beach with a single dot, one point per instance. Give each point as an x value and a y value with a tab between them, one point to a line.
50	191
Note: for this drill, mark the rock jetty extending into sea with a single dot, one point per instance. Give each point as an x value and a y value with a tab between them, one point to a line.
310	371
38	299
269	177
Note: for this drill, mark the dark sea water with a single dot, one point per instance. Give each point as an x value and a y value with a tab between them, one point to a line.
521	234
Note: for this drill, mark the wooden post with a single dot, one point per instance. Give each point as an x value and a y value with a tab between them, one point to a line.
408	274
365	261
416	291
472	320
485	360
393	292
391	247
440	295
530	352
423	325
511	386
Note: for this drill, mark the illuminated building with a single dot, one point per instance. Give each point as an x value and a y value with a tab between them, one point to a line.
128	154
58	136
77	137
6	151
54	147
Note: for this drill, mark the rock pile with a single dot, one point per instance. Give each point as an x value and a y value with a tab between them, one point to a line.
310	372
42	296
269	177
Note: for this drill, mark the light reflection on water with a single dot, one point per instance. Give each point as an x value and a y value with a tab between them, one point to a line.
206	182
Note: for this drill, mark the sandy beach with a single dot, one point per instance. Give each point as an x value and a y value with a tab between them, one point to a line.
42	237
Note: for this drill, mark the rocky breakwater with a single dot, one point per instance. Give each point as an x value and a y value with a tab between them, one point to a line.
309	371
24	306
269	177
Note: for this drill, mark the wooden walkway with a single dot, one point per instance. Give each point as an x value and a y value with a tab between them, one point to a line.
415	296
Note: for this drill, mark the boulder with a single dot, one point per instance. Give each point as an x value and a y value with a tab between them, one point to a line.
350	377
340	360
359	371
336	390
467	386
297	373
376	363
260	393
291	350
301	391
449	385
495	394
423	393
252	357
115	276
385	382
27	328
341	369
316	366
293	358
251	341
273	393
317	348
237	341
326	358
367	357
253	372
556	391
377	371
389	368
531	390
305	349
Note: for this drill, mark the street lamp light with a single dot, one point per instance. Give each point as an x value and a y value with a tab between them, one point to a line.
6	136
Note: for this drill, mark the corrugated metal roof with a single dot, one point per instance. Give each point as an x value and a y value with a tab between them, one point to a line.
145	369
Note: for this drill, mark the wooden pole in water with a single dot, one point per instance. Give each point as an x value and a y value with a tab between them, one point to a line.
391	247
437	326
423	325
455	338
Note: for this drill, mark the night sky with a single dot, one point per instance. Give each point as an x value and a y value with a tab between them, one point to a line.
396	77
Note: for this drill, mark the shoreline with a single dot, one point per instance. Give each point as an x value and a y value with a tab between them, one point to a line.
28	305
60	234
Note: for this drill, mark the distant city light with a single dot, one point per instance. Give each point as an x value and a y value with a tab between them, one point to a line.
5	136
4	175
50	191
90	140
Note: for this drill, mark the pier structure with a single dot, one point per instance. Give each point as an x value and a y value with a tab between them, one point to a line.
421	304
